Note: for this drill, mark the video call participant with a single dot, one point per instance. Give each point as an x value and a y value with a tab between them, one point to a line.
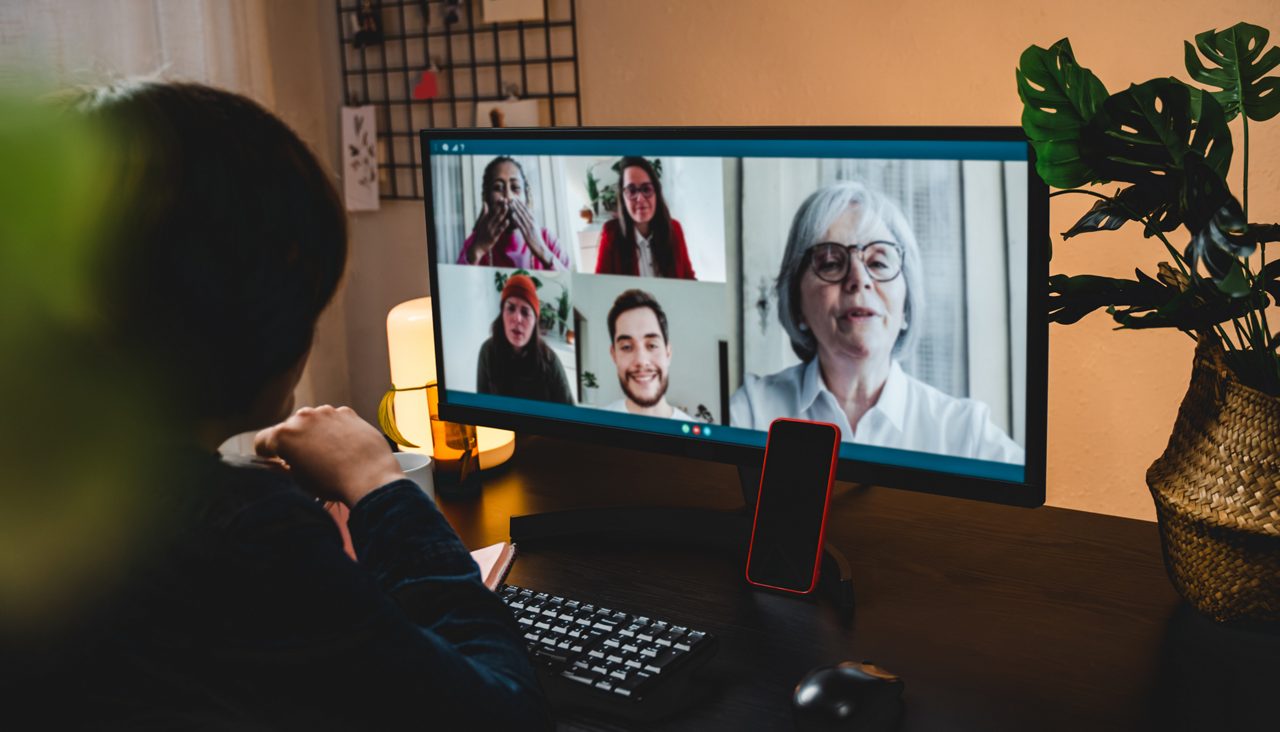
643	240
515	361
505	233
849	291
641	352
222	240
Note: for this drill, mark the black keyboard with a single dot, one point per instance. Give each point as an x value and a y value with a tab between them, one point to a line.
605	659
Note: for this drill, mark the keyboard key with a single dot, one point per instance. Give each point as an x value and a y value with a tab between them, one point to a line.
662	661
635	681
579	677
550	655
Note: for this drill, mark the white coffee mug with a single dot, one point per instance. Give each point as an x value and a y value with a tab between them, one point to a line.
417	467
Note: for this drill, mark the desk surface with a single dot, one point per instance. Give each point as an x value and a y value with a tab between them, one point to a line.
996	617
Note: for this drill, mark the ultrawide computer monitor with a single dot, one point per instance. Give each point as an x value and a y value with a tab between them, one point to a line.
677	289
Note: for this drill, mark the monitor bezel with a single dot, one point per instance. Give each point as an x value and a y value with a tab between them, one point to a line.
1028	493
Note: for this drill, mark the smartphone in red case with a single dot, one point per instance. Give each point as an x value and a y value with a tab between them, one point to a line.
791	506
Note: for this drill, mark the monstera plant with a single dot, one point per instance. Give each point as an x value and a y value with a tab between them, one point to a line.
1157	154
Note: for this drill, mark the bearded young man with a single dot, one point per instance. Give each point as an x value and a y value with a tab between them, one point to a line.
641	351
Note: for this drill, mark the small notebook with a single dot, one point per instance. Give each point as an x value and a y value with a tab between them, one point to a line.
495	561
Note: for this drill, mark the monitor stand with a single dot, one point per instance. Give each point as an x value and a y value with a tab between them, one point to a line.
722	530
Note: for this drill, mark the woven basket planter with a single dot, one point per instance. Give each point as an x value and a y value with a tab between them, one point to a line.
1217	496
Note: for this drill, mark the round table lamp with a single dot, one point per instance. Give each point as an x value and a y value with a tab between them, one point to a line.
411	348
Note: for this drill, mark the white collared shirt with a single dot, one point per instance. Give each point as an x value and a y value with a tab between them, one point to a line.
676	412
909	415
644	256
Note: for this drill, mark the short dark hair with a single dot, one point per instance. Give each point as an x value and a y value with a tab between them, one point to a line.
632	299
226	239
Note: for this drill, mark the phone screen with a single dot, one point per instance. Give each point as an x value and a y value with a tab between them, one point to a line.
791	505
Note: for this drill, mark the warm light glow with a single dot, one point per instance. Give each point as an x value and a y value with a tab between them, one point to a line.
411	348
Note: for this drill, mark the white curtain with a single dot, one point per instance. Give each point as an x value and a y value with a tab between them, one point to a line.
218	42
448	192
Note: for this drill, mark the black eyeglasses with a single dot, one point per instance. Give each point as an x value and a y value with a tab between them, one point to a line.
634	191
831	261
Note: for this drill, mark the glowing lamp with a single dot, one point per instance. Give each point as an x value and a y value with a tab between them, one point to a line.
406	409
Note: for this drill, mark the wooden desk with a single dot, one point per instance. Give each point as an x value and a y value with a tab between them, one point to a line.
997	618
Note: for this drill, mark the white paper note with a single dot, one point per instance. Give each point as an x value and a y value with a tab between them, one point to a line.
360	158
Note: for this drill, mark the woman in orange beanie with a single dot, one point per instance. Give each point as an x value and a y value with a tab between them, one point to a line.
514	361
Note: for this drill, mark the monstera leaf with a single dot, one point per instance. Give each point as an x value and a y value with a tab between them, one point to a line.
1143	134
1146	302
1059	97
1147	135
1240	72
1196	309
1135	203
1072	298
1219	234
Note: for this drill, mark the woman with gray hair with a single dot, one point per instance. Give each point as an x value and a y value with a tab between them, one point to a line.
849	297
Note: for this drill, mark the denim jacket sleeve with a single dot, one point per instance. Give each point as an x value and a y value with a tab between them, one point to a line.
408	633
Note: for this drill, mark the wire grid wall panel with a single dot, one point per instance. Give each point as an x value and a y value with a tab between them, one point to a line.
474	61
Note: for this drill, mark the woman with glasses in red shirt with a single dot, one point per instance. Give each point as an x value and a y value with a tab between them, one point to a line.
643	240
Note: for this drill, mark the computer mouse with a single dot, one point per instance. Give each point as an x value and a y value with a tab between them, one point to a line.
848	696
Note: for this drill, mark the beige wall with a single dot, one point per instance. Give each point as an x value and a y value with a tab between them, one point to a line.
1112	396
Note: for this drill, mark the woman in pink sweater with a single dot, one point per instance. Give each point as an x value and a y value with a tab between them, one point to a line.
505	234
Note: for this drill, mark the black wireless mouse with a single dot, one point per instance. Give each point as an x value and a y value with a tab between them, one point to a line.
848	696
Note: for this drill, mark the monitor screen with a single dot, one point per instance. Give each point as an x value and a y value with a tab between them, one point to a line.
679	289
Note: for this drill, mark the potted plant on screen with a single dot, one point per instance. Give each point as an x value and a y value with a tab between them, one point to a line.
1156	156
